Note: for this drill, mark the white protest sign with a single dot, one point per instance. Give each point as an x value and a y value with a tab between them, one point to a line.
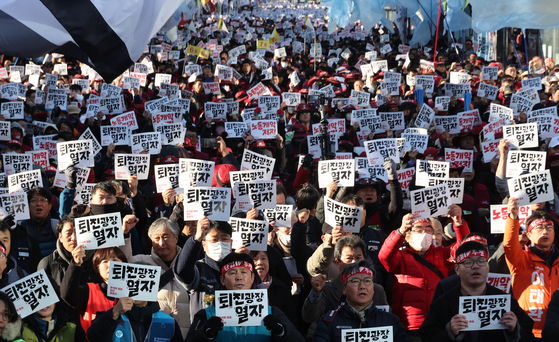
404	178
83	194
264	129
500	213
291	99
442	102
447	124
139	282
40	157
458	90
16	163
25	181
281	215
378	334
162	78
269	103
523	162
489	73
455	187
214	203
15	204
490	149
460	158
392	120
484	312
360	97
259	194
424	117
255	161
12	110
127	119
150	142
500	281
31	294
494	128
166	176
339	171
426	82
215	111
241	308
532	188
534	83
111	105
346	216
194	172
489	91
236	129
253	234
118	135
497	111
522	135
548	126
127	165
259	90
430	202
171	134
416	142
99	231
459	77
380	149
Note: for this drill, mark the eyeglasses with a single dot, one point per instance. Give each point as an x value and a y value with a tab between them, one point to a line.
356	282
39	200
6	316
549	228
2	256
421	231
468	263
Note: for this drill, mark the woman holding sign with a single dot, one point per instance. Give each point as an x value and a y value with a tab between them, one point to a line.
91	297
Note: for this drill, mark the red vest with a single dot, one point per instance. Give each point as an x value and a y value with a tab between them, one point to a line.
97	302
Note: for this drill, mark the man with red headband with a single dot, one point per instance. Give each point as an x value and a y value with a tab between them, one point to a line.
237	273
443	323
535	270
358	310
417	268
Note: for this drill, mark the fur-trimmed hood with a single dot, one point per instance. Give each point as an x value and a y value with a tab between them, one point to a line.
12	331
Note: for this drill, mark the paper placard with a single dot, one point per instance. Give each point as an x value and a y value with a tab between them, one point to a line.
171	134
334	126
460	158
150	142
371	125
416	142
195	173
424	117
264	129
269	103
458	90
127	119
430	202
425	82
500	213
489	73
32	293
494	128
365	170
484	312
25	181
12	110
40	158
404	179
15	204
490	149
378	150
236	129
252	234
291	99
497	111
522	135
459	77
378	334
255	161
500	281
247	176
111	105
118	135
548	126
532	188
339	171
127	165
166	176
523	162
455	186
241	308
447	124
214	203
83	195
139	282
392	120
162	78
488	91
361	97
281	215
260	194
99	231
17	162
257	91
442	102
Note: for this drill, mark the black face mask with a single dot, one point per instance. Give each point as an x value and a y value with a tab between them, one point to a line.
66	135
120	203
554	170
99	209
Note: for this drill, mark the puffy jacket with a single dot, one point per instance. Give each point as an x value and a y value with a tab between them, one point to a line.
533	279
64	329
330	326
172	297
413	284
44	232
56	264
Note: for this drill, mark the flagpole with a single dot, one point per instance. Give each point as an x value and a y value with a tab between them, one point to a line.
514	47
437	33
526	49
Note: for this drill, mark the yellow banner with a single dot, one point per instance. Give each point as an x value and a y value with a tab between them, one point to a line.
193	50
263	44
205	54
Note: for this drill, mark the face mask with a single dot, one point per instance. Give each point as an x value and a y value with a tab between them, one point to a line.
73	119
99	209
285	239
348	117
120	203
421	242
98	87
284	65
218	250
28	118
66	135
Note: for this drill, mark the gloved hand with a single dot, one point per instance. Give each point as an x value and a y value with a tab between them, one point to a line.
212	327
307	161
273	324
8	222
342	191
390	167
178	214
71	173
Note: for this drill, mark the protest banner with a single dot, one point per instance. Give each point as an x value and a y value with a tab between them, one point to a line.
392	120
500	213
447	124
489	73
127	165
281	215
500	281
215	111
25	181
195	172
166	176
291	99
252	234
99	231
139	282
16	163
236	129
365	170
378	334
83	194
424	117
548	125
127	119
430	202
339	171
12	110
269	103
455	187
14	204
484	312
460	158
259	194
255	161
171	134
494	128
118	135
488	91
532	188
522	135
490	150
380	149
146	142
241	308
32	293
264	129
247	176
404	178
523	162
417	142
214	203
346	216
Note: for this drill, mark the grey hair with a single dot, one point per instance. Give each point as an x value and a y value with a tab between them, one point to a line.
353	241
159	225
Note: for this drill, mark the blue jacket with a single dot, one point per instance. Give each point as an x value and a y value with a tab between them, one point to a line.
44	233
330	326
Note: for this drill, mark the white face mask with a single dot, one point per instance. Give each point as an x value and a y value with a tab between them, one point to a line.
218	250
421	242
285	239
283	65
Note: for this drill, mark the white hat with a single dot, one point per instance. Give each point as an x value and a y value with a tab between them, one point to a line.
554	141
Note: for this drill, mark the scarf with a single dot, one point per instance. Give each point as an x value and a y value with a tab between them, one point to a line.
360	313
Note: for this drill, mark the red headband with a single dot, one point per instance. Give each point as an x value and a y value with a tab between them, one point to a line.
235	264
360	270
3	250
476	238
426	220
534	223
472	253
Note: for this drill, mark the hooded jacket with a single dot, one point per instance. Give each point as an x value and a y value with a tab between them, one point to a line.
56	264
11	332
